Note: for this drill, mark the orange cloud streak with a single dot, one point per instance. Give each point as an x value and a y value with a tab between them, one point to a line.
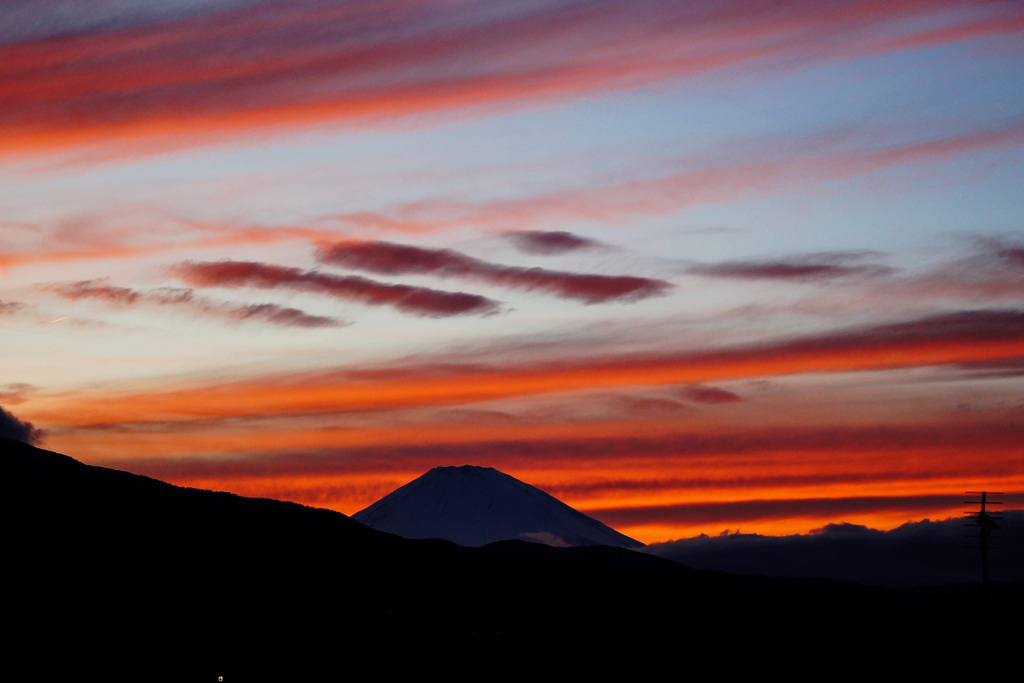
675	490
955	338
303	62
655	480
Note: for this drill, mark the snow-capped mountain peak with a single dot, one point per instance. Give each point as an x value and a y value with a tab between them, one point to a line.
474	506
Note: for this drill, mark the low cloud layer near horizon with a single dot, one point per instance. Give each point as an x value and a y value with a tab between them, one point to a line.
914	554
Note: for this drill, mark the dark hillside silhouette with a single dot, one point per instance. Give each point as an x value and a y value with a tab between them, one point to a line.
913	554
133	578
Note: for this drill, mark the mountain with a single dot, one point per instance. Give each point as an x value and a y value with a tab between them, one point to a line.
474	506
914	554
126	577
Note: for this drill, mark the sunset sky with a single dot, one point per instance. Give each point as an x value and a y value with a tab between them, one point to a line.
686	266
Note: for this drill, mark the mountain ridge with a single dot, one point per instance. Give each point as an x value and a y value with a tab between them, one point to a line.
127	577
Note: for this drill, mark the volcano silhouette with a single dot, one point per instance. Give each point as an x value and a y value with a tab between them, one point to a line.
474	506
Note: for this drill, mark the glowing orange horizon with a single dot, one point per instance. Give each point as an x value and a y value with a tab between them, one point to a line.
644	479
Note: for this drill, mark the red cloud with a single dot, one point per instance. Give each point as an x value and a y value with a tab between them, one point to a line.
307	60
699	460
186	298
11	307
746	512
993	270
420	301
397	259
704	394
549	241
50	241
737	475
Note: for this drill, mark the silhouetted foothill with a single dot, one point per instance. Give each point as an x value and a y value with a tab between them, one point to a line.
110	572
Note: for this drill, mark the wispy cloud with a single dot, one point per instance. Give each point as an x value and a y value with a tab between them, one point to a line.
92	237
12	307
992	269
706	394
1008	367
15	392
815	159
421	301
549	241
388	258
23	21
812	268
187	299
737	513
698	460
642	406
762	167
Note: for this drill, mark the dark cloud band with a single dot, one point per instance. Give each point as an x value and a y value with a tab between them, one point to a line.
421	301
816	268
549	241
388	258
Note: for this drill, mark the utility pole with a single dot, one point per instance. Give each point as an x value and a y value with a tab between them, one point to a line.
986	522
